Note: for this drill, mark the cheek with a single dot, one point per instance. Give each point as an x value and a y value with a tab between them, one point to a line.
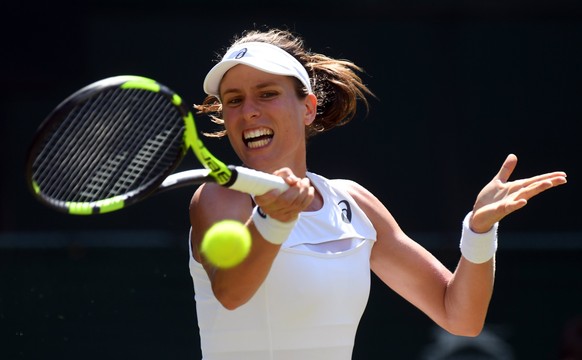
231	133
228	123
230	129
296	132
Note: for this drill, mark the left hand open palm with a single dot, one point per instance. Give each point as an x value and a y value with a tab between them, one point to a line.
500	197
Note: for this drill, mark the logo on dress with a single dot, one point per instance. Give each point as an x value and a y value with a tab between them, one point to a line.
346	211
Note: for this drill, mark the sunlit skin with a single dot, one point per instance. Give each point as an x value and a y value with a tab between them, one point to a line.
252	100
255	101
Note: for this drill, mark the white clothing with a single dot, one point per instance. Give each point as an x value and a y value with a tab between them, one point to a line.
312	300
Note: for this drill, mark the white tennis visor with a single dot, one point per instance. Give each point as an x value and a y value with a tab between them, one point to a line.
261	56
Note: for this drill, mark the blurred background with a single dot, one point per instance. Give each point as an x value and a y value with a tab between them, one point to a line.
459	85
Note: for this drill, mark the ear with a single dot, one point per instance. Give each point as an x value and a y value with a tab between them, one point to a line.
310	109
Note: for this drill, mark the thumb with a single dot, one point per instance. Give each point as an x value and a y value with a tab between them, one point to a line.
507	168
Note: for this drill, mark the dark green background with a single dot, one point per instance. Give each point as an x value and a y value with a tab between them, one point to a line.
459	84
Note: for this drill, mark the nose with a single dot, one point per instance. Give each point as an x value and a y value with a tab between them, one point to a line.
250	110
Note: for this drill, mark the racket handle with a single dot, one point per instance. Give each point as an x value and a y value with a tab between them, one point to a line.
185	178
255	182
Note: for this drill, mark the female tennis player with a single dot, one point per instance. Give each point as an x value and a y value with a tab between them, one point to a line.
302	290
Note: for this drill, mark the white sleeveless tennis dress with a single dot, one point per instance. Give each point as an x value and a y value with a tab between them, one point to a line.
310	304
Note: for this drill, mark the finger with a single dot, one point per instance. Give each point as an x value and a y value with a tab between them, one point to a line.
268	198
271	196
306	195
557	178
290	203
534	189
300	195
287	174
513	206
507	168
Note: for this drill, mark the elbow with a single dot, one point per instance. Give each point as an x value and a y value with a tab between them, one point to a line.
470	333
467	329
229	299
229	304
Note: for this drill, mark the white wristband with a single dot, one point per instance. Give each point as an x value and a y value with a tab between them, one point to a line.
478	248
274	231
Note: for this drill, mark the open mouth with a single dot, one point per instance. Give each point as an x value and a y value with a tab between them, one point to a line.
257	138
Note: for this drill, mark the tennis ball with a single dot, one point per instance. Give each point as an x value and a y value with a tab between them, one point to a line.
226	243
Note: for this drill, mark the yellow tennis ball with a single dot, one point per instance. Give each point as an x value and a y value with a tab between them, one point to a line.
226	243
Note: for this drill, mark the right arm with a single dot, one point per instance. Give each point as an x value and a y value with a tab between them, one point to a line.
212	203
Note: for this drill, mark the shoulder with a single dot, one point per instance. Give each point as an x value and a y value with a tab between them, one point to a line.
357	191
374	209
214	202
352	187
208	191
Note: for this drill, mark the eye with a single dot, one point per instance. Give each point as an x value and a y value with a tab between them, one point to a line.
232	101
268	94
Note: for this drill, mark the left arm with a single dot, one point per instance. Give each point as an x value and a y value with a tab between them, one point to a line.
457	301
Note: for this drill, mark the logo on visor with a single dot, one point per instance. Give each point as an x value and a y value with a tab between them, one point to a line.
241	53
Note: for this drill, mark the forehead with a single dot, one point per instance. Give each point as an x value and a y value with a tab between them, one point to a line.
241	76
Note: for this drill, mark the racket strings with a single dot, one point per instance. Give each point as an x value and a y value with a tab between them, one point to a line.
63	149
79	145
158	152
95	121
117	142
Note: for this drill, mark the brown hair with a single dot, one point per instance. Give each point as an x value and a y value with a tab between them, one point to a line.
335	83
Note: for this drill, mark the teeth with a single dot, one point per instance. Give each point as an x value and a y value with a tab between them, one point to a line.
255	133
259	143
257	138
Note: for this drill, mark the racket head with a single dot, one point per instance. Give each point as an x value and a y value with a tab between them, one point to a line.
109	145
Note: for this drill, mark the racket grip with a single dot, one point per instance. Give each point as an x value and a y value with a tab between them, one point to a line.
255	182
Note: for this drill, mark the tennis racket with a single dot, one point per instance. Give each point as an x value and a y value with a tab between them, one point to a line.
118	141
